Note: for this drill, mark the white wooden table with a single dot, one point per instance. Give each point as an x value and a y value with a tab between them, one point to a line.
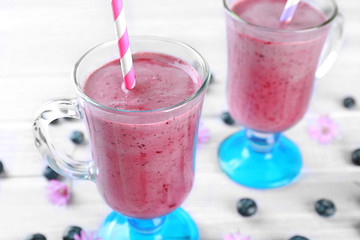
40	40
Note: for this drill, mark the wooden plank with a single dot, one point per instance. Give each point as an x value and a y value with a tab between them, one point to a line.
26	209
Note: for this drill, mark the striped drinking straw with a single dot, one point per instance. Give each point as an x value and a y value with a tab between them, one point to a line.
126	62
289	11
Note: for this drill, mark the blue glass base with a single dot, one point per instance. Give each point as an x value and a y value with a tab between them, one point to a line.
176	225
276	167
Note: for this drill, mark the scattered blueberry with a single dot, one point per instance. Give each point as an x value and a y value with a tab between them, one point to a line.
246	207
36	236
1	167
71	231
297	237
69	118
50	174
77	137
227	118
355	157
349	102
325	208
55	122
212	78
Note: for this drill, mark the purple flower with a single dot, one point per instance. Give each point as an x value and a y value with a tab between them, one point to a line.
58	193
323	130
235	236
203	135
84	236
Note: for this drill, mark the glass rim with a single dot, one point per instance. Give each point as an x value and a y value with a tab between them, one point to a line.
194	96
328	20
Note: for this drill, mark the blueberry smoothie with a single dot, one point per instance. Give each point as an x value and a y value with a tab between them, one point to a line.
144	161
271	68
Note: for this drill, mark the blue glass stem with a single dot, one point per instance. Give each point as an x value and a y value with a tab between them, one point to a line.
261	142
147	226
260	160
176	225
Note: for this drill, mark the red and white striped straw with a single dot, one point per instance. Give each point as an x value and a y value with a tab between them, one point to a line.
126	62
289	10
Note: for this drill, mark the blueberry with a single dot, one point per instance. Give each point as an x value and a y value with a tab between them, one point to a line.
1	167
227	118
297	237
50	174
246	207
71	231
77	137
212	78
349	102
69	119
355	157
55	122
36	236
325	208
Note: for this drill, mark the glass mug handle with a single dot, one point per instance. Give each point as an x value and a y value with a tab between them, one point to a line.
58	160
332	47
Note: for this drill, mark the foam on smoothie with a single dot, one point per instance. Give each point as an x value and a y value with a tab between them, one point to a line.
266	13
162	81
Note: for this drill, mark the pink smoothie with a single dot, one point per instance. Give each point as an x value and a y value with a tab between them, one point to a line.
145	163
271	73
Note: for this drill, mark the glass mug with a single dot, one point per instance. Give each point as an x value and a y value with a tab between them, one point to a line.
271	74
143	161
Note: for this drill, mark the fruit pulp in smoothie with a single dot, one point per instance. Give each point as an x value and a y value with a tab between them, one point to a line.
145	162
271	73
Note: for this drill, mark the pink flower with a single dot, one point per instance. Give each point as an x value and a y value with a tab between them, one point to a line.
323	130
84	236
203	135
235	236
58	193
